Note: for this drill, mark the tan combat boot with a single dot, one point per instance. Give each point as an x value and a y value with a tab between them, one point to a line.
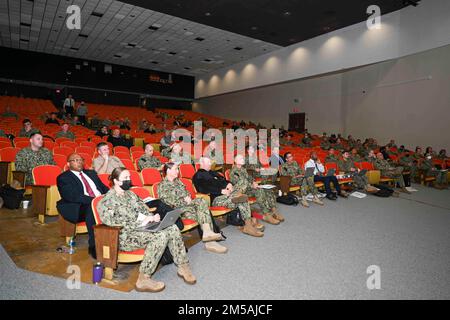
184	271
304	202
270	219
147	284
251	230
404	190
316	200
277	215
257	225
209	235
214	247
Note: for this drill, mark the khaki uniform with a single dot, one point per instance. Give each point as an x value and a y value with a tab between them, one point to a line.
123	211
27	159
113	162
242	181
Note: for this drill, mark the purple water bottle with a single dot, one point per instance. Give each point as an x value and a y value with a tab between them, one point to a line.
97	273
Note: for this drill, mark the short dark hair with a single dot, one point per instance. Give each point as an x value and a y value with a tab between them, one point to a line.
35	133
26	121
101	144
286	155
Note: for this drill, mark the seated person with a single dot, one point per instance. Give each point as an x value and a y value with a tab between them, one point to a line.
319	175
27	129
275	159
106	122
265	198
354	156
370	157
121	207
338	145
331	156
268	175
347	166
287	141
306	141
431	171
442	155
103	131
95	121
389	171
75	121
9	114
292	169
143	125
173	192
30	157
150	129
147	160
118	140
52	119
177	155
223	194
78	187
166	140
105	163
215	155
2	133
65	133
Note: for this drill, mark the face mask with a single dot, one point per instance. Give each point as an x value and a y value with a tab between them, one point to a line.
126	185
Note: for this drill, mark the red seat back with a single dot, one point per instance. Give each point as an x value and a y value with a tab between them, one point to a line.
46	175
104	177
187	170
60	160
136	179
151	176
141	192
8	154
94	204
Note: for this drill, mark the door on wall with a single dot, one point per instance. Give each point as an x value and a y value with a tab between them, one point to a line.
297	122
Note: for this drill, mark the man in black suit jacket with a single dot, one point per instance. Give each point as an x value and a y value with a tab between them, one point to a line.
78	187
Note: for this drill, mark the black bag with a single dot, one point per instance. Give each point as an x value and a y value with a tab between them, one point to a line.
11	197
234	218
288	199
384	191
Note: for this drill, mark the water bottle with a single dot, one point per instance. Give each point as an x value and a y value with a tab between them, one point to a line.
97	273
71	246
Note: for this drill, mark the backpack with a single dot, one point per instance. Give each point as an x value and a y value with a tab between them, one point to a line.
384	191
11	197
288	199
234	218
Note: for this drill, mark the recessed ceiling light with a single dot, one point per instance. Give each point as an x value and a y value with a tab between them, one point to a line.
287	13
207	14
254	28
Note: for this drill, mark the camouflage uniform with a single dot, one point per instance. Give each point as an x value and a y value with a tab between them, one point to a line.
27	159
146	161
123	211
385	168
431	171
306	143
331	158
356	158
68	134
360	180
325	144
181	158
256	164
225	201
173	194
338	146
10	114
23	133
242	181
2	133
293	169
408	164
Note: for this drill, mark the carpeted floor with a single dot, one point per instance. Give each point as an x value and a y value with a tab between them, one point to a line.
319	253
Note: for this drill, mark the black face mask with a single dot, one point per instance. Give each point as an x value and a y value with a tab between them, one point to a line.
126	185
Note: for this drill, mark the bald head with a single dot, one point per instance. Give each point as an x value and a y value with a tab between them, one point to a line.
205	163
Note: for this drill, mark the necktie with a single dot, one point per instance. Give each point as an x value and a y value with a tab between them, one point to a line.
86	184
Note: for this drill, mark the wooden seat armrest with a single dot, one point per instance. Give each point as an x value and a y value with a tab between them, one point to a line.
107	245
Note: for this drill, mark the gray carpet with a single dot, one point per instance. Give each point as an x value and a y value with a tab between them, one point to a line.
319	253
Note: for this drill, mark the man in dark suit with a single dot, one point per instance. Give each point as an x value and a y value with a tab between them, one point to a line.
78	187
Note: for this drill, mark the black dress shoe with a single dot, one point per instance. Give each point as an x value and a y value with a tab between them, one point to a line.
92	252
331	197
